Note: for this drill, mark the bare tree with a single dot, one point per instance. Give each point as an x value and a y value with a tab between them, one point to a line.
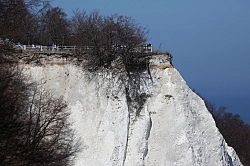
13	102
49	137
54	27
109	38
18	19
34	125
14	20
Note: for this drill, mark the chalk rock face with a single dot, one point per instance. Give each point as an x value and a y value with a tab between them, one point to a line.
173	128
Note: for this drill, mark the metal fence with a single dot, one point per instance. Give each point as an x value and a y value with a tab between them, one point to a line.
69	49
52	49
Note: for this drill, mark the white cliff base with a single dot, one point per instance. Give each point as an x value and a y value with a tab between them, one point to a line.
174	127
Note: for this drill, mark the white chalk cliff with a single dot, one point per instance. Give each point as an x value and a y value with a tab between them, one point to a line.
174	128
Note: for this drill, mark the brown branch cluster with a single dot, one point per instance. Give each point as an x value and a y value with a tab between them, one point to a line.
34	125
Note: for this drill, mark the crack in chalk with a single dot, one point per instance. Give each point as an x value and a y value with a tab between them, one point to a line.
126	145
147	137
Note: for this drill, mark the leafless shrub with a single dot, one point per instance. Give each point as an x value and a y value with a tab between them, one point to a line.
34	126
107	39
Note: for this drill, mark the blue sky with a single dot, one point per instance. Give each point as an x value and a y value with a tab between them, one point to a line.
210	41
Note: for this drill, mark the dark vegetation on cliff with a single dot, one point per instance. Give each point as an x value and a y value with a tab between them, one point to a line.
34	129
